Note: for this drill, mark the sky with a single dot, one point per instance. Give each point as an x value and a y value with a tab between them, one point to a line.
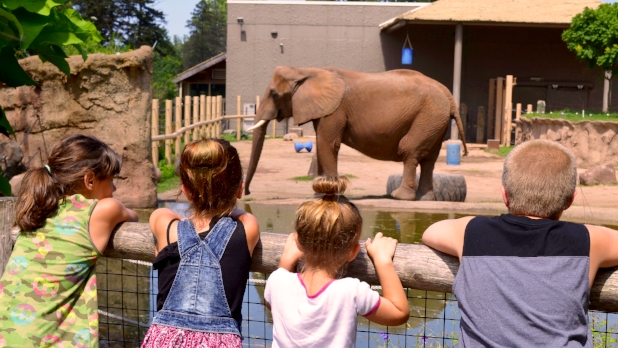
178	12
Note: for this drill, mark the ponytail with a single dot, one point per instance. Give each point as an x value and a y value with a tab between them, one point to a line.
38	199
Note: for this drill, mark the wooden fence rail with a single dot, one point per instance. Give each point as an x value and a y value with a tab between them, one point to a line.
418	266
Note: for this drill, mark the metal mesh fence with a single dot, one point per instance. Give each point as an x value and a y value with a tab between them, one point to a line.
127	302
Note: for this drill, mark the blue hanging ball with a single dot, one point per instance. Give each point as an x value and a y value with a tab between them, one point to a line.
406	56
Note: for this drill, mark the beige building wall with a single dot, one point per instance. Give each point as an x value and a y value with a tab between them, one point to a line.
309	34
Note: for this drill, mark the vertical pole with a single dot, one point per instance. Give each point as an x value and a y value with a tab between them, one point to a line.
187	117
606	90
480	125
529	109
209	116
168	130
499	111
203	115
155	131
517	117
508	109
7	218
196	115
490	108
219	115
457	74
178	124
238	120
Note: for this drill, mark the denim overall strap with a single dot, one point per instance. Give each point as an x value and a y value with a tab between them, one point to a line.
196	300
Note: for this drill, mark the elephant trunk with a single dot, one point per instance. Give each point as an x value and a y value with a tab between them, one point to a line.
256	150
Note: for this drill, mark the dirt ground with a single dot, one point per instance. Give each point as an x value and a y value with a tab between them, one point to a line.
273	182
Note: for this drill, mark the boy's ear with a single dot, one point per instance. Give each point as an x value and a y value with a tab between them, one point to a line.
354	252
568	205
505	196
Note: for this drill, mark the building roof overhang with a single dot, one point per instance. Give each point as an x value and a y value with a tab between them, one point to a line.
200	67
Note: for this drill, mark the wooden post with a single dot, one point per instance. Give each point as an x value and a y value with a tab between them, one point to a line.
168	130
219	115
7	217
203	115
155	131
463	114
508	110
529	109
178	124
517	117
187	118
196	115
238	120
490	108
480	125
499	106
209	117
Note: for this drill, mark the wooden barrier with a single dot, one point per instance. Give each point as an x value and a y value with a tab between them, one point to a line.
178	124
499	109
490	109
238	121
168	130
219	113
202	132
196	115
187	116
7	217
155	131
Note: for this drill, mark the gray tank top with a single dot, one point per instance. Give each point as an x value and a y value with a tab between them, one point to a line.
524	283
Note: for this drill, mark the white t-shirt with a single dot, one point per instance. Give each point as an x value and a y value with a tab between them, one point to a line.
326	319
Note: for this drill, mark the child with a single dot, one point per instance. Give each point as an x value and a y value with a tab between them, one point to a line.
66	214
525	276
317	308
202	280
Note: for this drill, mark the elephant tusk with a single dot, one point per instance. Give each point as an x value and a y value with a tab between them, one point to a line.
257	125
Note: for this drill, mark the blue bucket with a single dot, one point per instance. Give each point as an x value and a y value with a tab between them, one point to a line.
406	56
453	153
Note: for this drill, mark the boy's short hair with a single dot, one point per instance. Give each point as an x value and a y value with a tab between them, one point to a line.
540	177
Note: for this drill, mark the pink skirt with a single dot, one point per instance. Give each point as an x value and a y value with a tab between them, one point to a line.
159	336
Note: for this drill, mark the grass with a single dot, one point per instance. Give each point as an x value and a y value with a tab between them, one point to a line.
232	137
502	151
350	176
576	115
302	178
169	179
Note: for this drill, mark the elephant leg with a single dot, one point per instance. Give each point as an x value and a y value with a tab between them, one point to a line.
329	131
424	192
407	190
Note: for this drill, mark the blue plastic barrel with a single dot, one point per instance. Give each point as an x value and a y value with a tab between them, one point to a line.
453	153
406	56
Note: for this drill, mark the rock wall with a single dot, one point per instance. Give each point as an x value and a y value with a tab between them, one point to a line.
107	96
592	142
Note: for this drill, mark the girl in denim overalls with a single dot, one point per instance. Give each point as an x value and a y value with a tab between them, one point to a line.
203	260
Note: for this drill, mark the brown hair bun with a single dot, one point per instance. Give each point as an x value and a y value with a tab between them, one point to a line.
330	186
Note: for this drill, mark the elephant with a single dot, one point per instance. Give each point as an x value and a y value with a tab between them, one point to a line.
397	115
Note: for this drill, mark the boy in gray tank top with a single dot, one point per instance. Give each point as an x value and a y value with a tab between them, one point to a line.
524	278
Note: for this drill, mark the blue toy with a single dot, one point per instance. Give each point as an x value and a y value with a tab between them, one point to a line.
307	146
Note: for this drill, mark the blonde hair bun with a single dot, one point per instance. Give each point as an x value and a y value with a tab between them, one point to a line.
330	185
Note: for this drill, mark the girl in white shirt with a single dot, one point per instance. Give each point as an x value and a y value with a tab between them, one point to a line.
316	307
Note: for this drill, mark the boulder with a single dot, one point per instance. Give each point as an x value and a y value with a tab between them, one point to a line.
604	174
11	159
107	96
446	187
297	130
290	137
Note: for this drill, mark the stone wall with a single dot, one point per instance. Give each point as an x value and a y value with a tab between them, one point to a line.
592	142
107	96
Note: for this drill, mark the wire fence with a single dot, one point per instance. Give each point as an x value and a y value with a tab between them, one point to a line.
127	301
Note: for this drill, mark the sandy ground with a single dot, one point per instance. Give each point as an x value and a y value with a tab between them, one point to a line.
273	182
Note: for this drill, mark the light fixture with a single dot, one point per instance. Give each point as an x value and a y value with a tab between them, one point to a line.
241	21
274	34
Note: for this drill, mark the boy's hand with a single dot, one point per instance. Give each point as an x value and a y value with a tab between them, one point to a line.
381	249
291	254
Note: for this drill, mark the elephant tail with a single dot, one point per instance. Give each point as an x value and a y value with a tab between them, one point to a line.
455	115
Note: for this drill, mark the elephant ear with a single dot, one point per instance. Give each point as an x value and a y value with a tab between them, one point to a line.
315	93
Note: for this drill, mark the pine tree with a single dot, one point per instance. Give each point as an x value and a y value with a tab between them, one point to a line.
208	25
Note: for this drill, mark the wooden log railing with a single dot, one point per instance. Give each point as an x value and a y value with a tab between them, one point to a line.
418	266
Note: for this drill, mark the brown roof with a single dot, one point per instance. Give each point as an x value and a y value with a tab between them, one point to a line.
199	67
534	12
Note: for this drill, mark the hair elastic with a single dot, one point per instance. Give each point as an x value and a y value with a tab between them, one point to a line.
48	169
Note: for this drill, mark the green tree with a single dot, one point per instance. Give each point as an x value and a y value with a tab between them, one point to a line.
208	25
593	37
130	22
165	68
41	27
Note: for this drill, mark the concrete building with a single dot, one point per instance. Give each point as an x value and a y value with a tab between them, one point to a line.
460	43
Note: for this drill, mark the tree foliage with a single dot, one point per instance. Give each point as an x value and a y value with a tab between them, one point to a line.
593	37
165	68
41	27
132	23
208	32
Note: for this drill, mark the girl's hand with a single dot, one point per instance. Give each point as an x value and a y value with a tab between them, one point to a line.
291	253
382	249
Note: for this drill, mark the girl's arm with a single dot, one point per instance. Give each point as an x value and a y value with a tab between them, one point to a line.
159	221
108	213
252	228
393	309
